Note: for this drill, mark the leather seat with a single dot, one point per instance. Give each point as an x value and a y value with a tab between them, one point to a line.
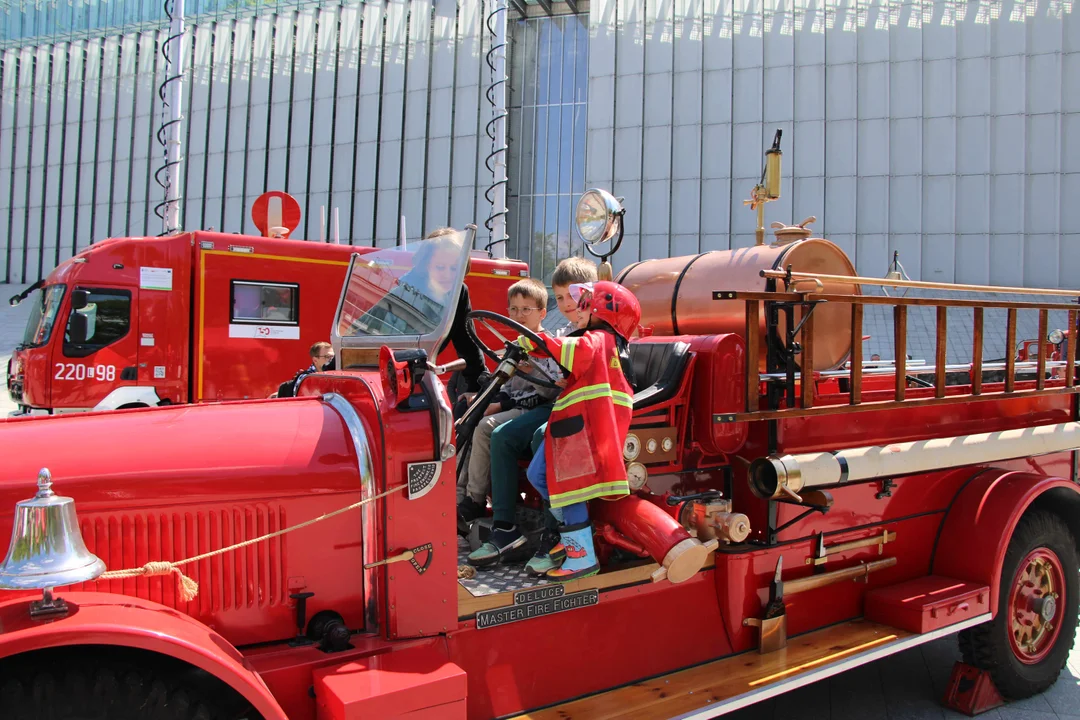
658	370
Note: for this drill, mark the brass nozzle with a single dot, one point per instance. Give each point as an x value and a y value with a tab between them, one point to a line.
769	476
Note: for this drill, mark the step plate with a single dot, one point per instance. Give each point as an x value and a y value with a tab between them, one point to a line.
726	685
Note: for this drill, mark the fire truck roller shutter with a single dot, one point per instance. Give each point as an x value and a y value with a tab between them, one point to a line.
774	475
106	619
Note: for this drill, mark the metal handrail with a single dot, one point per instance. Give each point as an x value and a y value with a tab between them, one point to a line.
921	369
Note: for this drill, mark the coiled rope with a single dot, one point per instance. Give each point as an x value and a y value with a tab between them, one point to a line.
187	588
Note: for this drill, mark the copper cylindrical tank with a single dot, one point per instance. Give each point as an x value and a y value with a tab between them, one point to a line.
676	293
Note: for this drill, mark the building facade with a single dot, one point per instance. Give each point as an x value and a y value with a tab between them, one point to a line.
947	131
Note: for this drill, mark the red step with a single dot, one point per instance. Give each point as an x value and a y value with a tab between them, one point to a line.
418	683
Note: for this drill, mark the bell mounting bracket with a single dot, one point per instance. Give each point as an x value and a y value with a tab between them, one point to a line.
48	605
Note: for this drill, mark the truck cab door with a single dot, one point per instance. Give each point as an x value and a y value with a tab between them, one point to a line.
98	353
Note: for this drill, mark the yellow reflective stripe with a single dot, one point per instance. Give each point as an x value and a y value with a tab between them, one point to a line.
621	398
589	392
617	487
566	353
526	343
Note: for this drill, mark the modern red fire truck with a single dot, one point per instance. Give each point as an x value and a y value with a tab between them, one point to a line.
194	317
299	559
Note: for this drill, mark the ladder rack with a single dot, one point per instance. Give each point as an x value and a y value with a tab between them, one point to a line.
800	399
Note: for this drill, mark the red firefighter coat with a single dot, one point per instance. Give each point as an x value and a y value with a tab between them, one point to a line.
588	425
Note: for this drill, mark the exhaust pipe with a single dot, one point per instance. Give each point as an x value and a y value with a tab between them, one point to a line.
777	475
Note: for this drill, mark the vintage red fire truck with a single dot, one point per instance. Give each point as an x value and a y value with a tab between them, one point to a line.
299	559
193	317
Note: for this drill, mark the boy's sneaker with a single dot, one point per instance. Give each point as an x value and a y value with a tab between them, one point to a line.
498	544
467	511
549	555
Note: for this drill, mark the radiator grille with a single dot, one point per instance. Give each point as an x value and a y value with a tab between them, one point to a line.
252	577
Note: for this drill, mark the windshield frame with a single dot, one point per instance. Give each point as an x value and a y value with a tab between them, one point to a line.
43	316
428	342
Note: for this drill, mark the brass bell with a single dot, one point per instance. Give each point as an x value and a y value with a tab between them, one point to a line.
47	548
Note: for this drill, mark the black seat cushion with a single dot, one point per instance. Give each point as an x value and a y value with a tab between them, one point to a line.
658	370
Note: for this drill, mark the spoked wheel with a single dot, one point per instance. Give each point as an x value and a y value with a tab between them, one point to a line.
1036	606
1027	643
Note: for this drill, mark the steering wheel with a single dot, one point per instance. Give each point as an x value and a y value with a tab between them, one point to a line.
483	316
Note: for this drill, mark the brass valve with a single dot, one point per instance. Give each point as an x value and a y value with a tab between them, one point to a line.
715	521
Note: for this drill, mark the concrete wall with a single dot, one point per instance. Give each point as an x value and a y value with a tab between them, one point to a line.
945	130
361	107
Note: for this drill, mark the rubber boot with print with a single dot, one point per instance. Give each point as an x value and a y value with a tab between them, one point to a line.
581	560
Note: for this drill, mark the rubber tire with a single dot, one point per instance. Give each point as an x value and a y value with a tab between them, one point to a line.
114	691
987	646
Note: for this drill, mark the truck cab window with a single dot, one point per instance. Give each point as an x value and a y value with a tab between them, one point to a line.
43	315
265	303
104	319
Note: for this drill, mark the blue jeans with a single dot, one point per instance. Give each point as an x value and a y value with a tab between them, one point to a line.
574	514
509	442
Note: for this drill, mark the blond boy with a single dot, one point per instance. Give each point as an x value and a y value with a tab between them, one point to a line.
527	304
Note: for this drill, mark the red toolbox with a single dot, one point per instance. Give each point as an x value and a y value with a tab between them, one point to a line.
927	603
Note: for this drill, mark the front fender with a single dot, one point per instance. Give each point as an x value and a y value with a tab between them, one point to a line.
109	619
980	522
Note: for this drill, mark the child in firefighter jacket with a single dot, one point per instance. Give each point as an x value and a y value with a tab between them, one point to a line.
582	448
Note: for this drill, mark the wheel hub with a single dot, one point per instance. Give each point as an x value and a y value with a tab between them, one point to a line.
1034	605
1046	607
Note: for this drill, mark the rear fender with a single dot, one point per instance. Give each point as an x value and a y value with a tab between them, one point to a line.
109	619
980	522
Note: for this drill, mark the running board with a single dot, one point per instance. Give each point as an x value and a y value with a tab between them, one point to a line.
723	686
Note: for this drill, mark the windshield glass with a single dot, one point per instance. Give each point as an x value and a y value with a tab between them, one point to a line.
46	304
408	293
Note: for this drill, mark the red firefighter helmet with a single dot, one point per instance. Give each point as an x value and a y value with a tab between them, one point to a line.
610	302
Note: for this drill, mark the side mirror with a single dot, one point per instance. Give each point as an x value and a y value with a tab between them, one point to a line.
79	299
77	328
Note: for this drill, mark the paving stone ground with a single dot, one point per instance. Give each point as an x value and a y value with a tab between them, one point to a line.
907	686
